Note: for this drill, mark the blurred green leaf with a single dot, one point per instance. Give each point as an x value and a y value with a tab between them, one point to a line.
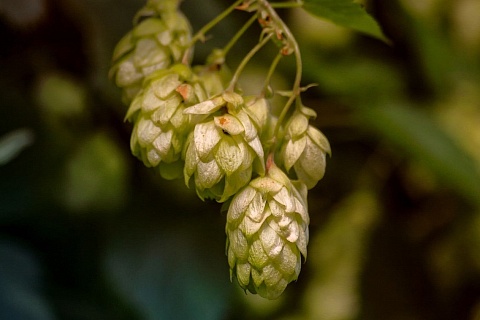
20	285
169	272
345	13
435	55
96	176
337	253
13	143
60	96
420	137
430	50
353	76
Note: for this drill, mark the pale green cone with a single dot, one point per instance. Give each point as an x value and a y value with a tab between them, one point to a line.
224	150
160	38
214	79
214	75
160	126
304	148
259	110
267	233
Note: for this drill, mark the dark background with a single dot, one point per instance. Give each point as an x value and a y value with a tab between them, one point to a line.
87	232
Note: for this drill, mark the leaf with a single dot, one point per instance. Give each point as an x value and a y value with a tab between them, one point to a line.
21	283
95	177
13	143
169	271
338	252
422	139
345	13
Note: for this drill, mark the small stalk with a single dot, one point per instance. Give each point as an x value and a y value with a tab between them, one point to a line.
244	62
298	59
239	33
271	71
201	33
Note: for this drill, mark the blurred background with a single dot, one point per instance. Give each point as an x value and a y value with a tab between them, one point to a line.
88	232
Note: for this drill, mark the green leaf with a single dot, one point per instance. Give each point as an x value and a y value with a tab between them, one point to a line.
338	252
95	176
13	143
21	284
422	139
169	270
345	13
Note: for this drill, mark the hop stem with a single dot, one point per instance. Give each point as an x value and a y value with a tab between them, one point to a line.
245	60
239	33
271	71
265	5
201	33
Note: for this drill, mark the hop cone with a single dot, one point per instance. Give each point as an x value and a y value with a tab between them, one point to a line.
159	39
267	232
304	148
160	126
224	149
258	109
213	80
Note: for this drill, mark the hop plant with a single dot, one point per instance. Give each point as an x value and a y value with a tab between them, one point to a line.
267	232
304	148
224	149
195	122
160	38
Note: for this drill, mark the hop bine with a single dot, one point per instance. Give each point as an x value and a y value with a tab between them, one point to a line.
195	122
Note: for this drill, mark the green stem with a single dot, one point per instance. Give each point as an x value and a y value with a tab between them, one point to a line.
245	60
201	33
239	33
298	76
273	66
